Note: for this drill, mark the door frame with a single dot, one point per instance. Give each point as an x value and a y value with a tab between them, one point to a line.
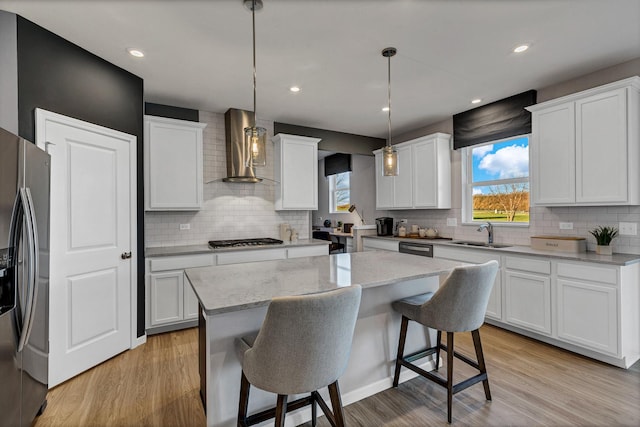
41	119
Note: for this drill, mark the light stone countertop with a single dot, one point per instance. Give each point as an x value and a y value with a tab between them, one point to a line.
615	259
204	248
229	288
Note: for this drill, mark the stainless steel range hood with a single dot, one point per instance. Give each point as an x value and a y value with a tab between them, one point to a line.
237	170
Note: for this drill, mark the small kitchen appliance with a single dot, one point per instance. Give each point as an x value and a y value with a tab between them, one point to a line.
384	225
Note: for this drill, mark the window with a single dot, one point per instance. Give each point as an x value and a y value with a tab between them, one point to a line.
339	192
496	181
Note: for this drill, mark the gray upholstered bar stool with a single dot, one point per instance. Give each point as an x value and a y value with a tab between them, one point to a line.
459	305
303	345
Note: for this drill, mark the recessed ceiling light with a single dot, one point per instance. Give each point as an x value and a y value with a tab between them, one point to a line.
476	101
135	52
521	48
294	89
385	109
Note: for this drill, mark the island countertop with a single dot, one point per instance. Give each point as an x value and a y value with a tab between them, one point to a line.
228	288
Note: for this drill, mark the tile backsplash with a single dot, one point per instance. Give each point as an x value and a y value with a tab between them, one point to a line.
544	221
230	211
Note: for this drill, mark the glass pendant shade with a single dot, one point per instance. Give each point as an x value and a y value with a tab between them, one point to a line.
390	161
255	142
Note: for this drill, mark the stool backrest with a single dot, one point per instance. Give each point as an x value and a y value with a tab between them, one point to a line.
460	303
304	342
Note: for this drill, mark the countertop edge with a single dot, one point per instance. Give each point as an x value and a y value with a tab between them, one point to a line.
164	251
620	259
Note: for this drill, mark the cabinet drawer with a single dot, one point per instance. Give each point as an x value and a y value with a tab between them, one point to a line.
464	255
250	256
305	251
181	262
528	264
385	245
589	272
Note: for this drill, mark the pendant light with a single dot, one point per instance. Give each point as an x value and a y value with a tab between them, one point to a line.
255	137
389	154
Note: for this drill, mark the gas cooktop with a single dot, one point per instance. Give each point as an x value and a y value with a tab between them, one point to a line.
244	242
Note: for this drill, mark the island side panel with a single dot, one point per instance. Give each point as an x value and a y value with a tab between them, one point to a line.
371	363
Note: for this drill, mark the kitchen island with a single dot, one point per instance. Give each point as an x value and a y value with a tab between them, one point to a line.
233	302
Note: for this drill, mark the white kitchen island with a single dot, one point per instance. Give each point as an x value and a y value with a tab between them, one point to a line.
234	299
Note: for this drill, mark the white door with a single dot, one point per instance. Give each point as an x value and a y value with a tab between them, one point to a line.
92	236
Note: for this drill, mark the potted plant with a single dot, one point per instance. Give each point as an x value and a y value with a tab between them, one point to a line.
604	236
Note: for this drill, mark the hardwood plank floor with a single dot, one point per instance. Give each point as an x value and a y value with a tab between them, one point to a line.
532	384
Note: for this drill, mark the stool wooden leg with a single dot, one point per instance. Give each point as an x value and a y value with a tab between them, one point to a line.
449	375
438	344
401	340
480	356
244	401
336	404
314	410
281	410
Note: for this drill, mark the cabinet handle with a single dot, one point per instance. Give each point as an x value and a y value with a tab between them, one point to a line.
125	255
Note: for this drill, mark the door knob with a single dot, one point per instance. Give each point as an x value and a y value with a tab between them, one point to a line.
125	255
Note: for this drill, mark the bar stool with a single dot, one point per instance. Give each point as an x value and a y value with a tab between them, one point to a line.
302	346
459	305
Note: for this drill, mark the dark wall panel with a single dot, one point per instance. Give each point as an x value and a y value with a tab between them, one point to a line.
171	112
59	76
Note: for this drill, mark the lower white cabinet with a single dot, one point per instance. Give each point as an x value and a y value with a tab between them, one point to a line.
372	244
242	256
588	307
304	251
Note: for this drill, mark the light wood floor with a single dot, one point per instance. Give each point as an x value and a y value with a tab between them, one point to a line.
532	384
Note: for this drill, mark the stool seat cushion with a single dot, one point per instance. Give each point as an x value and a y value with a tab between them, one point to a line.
410	307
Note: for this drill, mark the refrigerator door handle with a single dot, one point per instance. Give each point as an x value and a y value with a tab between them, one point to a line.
33	261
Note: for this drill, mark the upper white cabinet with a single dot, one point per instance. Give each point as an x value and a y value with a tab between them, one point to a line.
295	165
585	148
172	164
424	175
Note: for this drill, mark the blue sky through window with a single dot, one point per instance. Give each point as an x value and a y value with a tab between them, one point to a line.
503	160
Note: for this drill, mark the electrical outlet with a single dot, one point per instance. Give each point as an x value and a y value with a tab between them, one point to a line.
452	222
628	228
566	226
185	226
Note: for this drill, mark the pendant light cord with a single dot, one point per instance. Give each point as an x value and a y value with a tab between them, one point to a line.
389	103
253	18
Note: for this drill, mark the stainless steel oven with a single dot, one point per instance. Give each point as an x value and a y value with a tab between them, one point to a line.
422	249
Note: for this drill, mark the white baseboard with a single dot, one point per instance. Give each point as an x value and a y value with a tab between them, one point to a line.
138	341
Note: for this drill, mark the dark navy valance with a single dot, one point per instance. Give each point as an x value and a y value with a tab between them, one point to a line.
337	163
498	120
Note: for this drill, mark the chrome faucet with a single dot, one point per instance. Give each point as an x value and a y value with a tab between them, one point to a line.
489	229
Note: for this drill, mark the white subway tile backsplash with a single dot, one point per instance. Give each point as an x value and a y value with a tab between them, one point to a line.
231	211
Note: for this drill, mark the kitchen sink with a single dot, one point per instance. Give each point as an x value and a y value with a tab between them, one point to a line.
480	244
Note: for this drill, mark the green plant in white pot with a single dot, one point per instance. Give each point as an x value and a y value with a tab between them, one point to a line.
604	236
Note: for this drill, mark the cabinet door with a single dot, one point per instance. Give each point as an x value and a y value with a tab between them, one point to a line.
173	164
384	186
425	170
528	301
601	148
299	175
494	307
191	304
587	315
166	297
553	156
403	183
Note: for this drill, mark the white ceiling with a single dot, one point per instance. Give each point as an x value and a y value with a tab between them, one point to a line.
198	53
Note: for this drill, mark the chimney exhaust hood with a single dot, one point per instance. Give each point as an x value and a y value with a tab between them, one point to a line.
235	121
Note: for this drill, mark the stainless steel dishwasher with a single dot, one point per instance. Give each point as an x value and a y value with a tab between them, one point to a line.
422	249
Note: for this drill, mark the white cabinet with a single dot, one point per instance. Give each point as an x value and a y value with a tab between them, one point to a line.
373	244
304	251
242	256
494	307
585	148
528	293
424	175
588	306
172	164
171	303
296	171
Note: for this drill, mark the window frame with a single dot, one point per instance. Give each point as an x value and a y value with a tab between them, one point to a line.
333	190
467	183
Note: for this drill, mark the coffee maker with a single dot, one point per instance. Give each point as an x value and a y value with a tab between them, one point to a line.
384	226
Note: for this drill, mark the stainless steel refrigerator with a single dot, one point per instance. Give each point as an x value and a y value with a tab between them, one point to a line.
24	279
